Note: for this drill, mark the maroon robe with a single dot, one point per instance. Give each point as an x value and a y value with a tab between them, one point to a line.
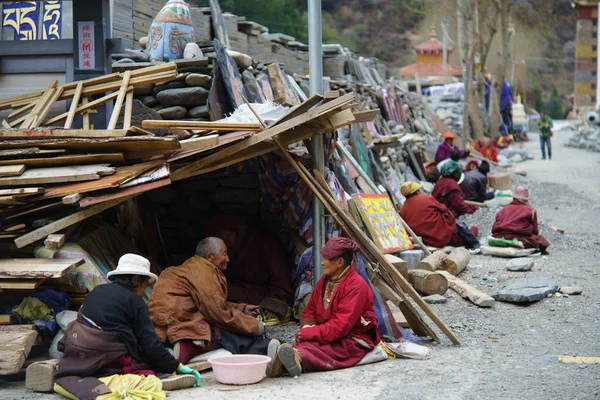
431	220
447	192
345	332
259	270
518	220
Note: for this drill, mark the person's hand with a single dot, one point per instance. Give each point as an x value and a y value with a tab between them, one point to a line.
269	315
252	310
183	370
261	328
298	337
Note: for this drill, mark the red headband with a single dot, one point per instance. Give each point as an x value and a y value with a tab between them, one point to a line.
336	247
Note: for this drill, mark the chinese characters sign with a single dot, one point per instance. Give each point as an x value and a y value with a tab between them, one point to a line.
31	20
87	57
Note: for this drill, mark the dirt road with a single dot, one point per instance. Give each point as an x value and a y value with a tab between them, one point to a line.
508	351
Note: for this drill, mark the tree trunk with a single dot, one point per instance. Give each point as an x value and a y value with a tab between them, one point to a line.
432	261
456	261
428	283
503	66
462	9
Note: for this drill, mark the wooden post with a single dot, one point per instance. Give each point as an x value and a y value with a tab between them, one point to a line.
74	104
128	110
112	124
467	291
456	261
427	282
85	114
433	261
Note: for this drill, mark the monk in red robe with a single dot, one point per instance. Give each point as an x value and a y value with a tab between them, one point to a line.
431	220
448	192
488	150
519	220
339	327
257	272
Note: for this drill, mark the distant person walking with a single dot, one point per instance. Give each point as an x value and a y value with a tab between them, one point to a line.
545	126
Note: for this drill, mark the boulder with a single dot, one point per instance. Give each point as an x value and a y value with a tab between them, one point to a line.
435	299
170	85
191	51
199	112
148	101
242	60
571	290
527	290
176	112
187	97
143	42
198	80
520	264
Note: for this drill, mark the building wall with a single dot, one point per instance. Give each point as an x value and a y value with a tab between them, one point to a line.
586	58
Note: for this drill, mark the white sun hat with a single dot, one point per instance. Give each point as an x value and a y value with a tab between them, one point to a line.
132	264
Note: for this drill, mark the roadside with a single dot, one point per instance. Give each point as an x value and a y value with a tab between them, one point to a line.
507	351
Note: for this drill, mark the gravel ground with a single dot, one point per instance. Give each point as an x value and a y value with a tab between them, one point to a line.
508	351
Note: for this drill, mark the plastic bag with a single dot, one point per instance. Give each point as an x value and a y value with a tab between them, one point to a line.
136	387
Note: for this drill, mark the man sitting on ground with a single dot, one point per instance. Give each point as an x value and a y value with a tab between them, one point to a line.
488	150
257	272
189	308
432	221
519	220
448	192
474	186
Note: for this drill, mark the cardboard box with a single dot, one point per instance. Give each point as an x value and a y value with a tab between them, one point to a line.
500	181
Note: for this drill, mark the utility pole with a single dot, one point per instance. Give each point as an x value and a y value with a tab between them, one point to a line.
315	68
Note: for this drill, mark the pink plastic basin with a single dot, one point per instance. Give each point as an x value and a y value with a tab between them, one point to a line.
239	369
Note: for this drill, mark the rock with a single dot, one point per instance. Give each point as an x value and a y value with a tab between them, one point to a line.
198	80
199	112
145	90
191	51
170	85
135	55
141	113
527	290
176	112
124	61
412	257
242	60
571	290
143	42
435	299
148	101
520	264
187	97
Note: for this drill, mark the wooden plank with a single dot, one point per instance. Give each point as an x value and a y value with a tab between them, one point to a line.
5	319
114	118
19	284
199	143
467	291
47	107
37	268
14	349
200	125
300	109
19	152
71	199
18	227
366	116
6	124
31	210
11	200
85	115
128	110
55	241
42	176
126	192
85	106
65	222
12	170
110	144
21	110
21	191
30	118
74	159
74	103
25	134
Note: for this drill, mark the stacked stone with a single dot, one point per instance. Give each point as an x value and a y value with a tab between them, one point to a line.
449	110
184	206
587	138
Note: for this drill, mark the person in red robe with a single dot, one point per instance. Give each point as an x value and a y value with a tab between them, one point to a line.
339	327
448	192
257	272
519	220
489	151
432	221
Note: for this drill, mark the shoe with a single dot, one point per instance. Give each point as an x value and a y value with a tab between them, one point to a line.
178	382
274	368
543	158
290	360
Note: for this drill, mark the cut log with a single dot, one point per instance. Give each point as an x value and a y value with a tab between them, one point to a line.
427	282
456	261
14	349
39	376
71	199
433	261
398	263
55	241
468	292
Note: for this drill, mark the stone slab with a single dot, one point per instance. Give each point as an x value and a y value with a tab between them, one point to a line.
520	264
527	290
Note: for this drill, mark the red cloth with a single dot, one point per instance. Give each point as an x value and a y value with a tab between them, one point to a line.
330	344
128	366
447	192
518	220
337	246
490	152
430	219
259	270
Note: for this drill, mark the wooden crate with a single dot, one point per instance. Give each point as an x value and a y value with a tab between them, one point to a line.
500	181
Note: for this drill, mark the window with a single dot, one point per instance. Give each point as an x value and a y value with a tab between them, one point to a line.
594	48
594	59
594	86
594	35
594	73
594	99
595	22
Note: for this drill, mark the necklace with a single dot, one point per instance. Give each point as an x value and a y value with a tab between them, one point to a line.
331	285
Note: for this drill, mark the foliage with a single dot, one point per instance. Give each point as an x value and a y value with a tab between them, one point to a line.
554	107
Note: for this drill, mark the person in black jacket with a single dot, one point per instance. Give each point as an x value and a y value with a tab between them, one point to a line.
113	332
474	186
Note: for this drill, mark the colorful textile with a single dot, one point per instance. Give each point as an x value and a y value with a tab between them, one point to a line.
343	333
444	150
336	247
490	152
58	301
32	308
133	387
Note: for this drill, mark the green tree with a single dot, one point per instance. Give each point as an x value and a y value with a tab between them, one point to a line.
554	107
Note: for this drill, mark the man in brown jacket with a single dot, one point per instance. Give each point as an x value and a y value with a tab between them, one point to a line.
189	308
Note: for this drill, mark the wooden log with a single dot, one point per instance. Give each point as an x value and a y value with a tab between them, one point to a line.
433	261
428	283
456	261
71	199
55	241
398	263
467	291
39	376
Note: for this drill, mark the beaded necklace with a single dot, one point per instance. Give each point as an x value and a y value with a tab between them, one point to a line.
331	285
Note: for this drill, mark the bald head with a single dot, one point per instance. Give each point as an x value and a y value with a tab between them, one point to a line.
214	250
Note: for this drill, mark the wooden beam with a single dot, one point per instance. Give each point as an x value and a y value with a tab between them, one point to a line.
467	291
199	143
12	170
37	268
71	199
14	349
200	125
19	284
25	134
74	103
65	222
85	114
366	116
55	241
30	118
47	108
22	191
42	176
21	110
128	110
73	159
112	124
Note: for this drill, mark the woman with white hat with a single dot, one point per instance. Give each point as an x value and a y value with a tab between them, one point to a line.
113	332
